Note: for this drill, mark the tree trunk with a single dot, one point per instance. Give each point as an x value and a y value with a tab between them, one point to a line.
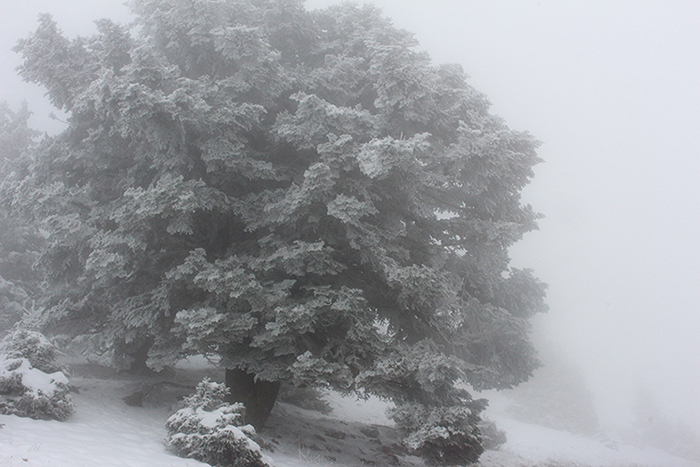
131	358
258	396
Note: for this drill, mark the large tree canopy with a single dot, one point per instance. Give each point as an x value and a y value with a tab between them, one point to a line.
299	193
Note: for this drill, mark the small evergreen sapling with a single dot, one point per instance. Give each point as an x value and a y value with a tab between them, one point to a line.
31	384
211	430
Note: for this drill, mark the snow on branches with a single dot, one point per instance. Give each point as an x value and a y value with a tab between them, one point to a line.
31	384
210	430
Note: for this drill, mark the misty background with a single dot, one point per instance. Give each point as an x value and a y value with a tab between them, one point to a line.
612	89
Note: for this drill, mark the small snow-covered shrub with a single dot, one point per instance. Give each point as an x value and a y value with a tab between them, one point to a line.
440	435
31	384
29	392
211	430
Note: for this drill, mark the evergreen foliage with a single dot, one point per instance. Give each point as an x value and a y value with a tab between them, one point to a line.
33	346
20	242
300	193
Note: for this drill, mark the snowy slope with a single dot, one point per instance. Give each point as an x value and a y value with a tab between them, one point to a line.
536	445
103	432
106	432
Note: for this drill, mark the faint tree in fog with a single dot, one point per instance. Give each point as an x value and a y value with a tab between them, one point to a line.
20	241
557	396
652	428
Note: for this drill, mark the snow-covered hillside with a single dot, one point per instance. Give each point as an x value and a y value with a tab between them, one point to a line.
106	432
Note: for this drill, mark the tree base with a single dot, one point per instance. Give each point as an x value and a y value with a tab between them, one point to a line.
258	397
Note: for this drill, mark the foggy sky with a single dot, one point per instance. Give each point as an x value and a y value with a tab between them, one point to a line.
612	89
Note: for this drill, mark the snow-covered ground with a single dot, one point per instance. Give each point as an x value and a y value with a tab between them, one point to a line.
106	432
533	445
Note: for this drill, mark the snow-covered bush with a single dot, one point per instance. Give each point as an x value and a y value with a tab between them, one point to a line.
31	384
211	430
440	435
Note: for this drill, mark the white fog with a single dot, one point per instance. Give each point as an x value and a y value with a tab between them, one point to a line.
612	90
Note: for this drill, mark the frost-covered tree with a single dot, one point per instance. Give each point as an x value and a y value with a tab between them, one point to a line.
20	242
299	193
